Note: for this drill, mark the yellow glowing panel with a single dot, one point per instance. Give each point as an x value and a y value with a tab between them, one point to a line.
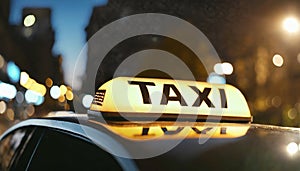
164	96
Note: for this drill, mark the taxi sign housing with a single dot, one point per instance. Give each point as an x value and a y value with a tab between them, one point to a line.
166	99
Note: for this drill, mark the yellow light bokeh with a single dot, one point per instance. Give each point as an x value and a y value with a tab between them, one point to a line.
61	99
10	114
2	107
49	82
277	60
31	84
63	90
39	88
69	95
1	61
291	25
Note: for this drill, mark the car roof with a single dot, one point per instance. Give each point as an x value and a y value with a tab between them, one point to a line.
84	120
77	123
259	142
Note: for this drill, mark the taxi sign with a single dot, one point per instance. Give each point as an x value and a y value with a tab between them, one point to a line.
167	99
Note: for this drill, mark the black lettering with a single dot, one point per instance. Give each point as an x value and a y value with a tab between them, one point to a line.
202	97
166	132
223	98
204	131
166	95
145	131
144	90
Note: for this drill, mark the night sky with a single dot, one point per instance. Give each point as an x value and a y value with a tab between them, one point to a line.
69	19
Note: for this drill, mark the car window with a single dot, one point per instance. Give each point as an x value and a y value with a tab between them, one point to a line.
12	145
64	151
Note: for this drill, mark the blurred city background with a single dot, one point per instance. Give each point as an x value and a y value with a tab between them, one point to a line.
257	41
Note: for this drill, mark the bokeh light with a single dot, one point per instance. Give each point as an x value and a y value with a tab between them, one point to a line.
24	78
30	110
277	60
10	114
63	90
33	97
40	100
55	92
227	68
2	107
216	79
19	97
292	148
223	68
291	25
61	99
218	68
276	101
87	100
2	61
29	20
31	84
49	82
69	95
7	90
292	113
13	72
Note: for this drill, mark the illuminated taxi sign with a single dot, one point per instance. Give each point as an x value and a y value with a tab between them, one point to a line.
144	97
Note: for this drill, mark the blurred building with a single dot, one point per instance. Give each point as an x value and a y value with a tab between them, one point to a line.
32	48
245	33
29	45
224	23
5	32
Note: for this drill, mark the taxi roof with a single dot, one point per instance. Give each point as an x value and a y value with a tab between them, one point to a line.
128	130
83	120
263	146
248	136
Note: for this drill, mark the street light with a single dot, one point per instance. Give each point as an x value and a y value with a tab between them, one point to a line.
291	24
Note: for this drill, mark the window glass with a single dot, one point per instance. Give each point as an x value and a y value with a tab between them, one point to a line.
11	145
63	151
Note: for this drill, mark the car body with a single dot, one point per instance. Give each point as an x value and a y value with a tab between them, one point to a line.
66	141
